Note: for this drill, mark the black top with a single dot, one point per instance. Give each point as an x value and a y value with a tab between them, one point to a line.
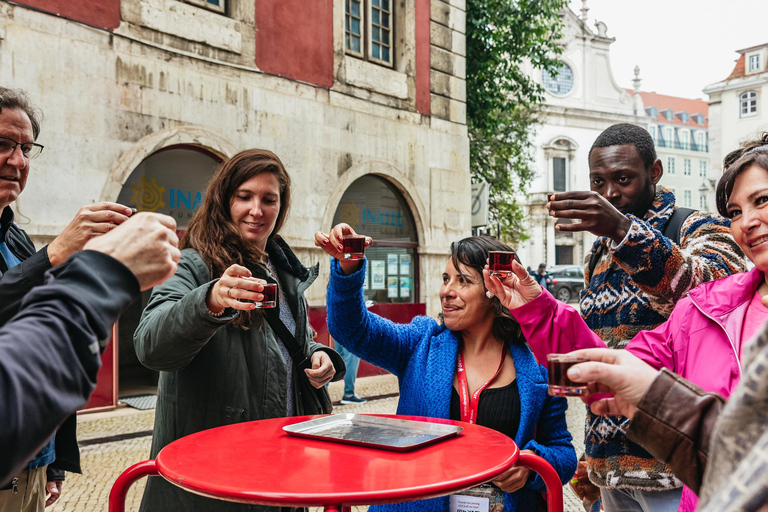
497	408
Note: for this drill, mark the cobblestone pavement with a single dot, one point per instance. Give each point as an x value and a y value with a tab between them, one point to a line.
113	441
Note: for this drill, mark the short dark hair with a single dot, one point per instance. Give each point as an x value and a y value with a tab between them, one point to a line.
623	134
751	152
473	252
17	98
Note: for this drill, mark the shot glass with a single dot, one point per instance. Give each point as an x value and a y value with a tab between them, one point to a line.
270	297
500	263
559	383
354	247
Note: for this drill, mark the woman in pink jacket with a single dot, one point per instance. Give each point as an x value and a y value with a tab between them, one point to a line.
706	332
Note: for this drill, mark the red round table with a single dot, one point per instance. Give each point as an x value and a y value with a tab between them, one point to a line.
258	463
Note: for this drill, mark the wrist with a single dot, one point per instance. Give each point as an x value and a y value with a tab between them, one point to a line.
350	267
621	230
214	308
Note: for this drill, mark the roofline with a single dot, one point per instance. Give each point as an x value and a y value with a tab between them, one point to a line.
745	50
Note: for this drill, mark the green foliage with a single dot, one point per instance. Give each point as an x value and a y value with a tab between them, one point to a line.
503	102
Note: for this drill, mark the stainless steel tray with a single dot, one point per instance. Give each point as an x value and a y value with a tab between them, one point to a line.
373	431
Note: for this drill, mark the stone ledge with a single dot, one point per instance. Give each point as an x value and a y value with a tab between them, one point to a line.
373	77
192	23
446	108
448	62
447	85
447	15
443	37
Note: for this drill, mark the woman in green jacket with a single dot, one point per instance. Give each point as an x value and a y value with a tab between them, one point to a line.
220	362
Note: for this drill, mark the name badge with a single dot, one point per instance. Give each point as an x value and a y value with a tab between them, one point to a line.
483	498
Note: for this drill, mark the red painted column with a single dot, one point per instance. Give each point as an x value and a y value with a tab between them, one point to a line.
101	14
294	39
423	101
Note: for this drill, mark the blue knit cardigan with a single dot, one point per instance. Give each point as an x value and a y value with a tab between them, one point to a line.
423	356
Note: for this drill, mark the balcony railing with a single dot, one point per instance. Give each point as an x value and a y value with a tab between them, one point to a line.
686	146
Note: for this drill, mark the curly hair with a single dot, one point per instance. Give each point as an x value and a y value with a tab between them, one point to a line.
749	153
472	252
627	134
214	234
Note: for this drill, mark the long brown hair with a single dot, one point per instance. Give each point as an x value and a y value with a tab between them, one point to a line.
214	234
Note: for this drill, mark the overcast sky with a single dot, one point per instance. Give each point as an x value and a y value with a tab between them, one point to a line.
681	46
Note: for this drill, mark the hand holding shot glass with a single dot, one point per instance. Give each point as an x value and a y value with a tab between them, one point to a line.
500	263
238	289
345	245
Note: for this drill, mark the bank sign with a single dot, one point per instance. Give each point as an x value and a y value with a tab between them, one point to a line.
172	182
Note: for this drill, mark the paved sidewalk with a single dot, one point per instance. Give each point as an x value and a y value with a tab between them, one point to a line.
113	441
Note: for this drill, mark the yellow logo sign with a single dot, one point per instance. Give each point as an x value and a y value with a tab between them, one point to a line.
148	197
349	213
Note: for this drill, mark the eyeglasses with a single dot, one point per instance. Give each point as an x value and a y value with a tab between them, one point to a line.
29	149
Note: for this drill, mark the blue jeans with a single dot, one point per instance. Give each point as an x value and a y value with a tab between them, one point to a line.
352	362
624	500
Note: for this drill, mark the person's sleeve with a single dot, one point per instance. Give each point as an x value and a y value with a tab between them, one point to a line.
657	346
553	442
674	421
19	280
313	346
176	325
553	327
666	271
50	351
365	334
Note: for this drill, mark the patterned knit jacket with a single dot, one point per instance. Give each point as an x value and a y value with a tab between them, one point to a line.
634	287
423	356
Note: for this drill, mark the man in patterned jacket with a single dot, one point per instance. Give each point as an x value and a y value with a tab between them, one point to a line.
635	277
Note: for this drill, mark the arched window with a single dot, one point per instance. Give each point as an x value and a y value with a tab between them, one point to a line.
748	104
375	208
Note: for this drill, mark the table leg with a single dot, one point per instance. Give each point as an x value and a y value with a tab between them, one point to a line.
550	477
125	480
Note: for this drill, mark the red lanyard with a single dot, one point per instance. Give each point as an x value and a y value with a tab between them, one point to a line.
469	406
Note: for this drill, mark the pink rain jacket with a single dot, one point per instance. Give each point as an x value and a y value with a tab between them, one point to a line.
700	340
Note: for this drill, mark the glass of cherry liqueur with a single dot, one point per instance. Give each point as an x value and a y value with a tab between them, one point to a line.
559	383
354	247
500	263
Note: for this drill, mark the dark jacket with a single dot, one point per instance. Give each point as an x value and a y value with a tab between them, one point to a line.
15	283
67	317
213	374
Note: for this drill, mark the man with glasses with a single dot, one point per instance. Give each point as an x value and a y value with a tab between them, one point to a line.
21	269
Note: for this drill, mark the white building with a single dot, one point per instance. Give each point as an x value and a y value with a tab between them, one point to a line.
581	101
679	127
738	106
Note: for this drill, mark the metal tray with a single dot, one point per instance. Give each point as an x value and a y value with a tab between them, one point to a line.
373	431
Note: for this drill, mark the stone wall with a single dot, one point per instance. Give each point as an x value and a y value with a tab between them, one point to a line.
111	99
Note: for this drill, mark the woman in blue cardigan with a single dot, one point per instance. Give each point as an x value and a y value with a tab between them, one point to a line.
478	348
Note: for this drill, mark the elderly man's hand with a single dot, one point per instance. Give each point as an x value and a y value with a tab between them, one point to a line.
612	372
597	214
147	244
91	221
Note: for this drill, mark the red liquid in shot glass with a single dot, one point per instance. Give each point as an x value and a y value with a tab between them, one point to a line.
500	263
559	383
354	247
270	296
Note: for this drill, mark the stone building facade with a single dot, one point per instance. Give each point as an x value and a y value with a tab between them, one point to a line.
581	101
142	98
738	105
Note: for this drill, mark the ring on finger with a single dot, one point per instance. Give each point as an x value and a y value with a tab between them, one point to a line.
229	290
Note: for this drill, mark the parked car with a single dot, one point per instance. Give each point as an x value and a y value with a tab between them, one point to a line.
567	282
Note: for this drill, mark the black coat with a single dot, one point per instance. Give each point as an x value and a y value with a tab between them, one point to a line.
68	317
15	283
